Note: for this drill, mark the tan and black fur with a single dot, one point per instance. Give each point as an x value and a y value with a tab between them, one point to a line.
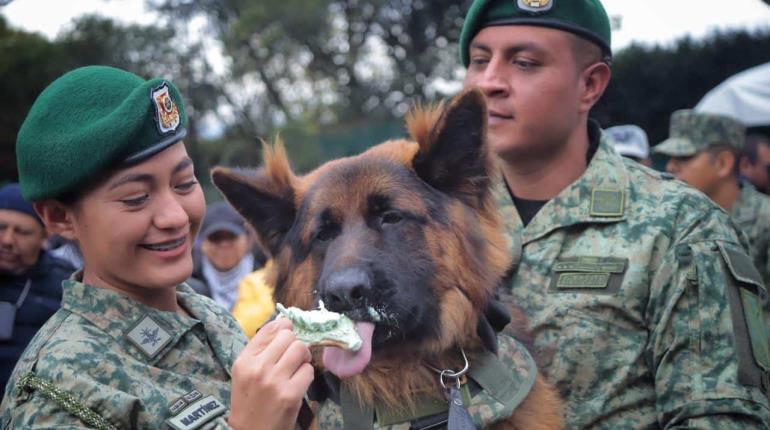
409	228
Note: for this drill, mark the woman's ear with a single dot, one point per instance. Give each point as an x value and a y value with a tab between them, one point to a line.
57	218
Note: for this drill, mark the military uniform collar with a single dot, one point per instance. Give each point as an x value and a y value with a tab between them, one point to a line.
600	195
145	332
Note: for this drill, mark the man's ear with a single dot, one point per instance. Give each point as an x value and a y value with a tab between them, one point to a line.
725	163
594	81
265	198
453	156
57	218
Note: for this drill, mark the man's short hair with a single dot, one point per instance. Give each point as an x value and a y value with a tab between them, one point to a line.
715	149
585	52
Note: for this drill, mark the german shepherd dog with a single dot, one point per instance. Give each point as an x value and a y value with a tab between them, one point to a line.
405	240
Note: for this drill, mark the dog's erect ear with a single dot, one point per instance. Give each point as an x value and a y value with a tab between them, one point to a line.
453	155
265	198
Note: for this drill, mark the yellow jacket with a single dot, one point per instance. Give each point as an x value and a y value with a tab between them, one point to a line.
255	301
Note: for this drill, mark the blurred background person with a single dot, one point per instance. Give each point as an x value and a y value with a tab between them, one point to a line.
631	142
255	304
704	150
30	278
226	255
755	162
66	250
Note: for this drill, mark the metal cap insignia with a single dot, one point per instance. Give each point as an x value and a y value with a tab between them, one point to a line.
166	112
535	6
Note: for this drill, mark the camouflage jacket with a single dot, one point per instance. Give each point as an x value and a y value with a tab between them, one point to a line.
752	214
500	385
641	293
106	361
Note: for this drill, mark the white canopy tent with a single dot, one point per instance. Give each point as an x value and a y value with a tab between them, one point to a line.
744	96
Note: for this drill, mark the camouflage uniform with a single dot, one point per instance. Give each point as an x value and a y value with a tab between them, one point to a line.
752	214
107	361
641	290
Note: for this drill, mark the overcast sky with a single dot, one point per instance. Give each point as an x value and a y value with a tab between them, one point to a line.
652	21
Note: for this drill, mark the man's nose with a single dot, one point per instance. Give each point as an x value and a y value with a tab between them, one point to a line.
492	82
7	236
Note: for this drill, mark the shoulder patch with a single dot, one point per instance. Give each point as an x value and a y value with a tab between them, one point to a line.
741	266
607	203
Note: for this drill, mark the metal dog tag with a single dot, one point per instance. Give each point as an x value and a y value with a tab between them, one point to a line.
459	418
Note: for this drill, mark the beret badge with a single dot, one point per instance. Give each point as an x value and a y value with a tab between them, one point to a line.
535	6
166	113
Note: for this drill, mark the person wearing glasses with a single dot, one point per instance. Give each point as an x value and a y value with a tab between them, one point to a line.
704	151
101	157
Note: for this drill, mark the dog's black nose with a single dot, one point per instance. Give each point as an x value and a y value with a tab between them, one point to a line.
346	289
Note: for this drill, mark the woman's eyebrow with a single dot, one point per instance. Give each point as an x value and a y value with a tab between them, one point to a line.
131	177
146	177
185	163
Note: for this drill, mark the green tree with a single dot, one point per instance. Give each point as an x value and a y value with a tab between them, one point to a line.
650	82
28	62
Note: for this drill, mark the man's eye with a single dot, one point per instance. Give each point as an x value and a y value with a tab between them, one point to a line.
524	64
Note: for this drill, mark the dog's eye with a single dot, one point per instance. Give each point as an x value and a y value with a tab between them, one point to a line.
391	217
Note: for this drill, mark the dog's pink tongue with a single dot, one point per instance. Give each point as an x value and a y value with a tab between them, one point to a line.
345	364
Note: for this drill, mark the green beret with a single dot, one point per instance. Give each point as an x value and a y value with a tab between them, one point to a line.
585	18
90	120
691	132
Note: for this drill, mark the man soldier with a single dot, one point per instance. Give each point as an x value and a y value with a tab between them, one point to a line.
755	162
640	295
704	150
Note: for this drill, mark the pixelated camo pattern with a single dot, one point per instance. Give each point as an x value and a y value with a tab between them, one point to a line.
752	214
704	129
87	361
484	409
657	350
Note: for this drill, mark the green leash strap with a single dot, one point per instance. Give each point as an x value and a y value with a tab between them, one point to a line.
498	381
353	415
67	401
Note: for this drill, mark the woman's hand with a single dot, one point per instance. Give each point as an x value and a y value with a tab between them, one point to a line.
270	378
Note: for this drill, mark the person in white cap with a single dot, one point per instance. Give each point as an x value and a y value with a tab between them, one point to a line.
631	142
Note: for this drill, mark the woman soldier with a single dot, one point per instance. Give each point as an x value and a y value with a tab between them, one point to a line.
101	155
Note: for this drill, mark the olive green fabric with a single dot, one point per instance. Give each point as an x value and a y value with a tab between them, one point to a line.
92	119
585	18
691	132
